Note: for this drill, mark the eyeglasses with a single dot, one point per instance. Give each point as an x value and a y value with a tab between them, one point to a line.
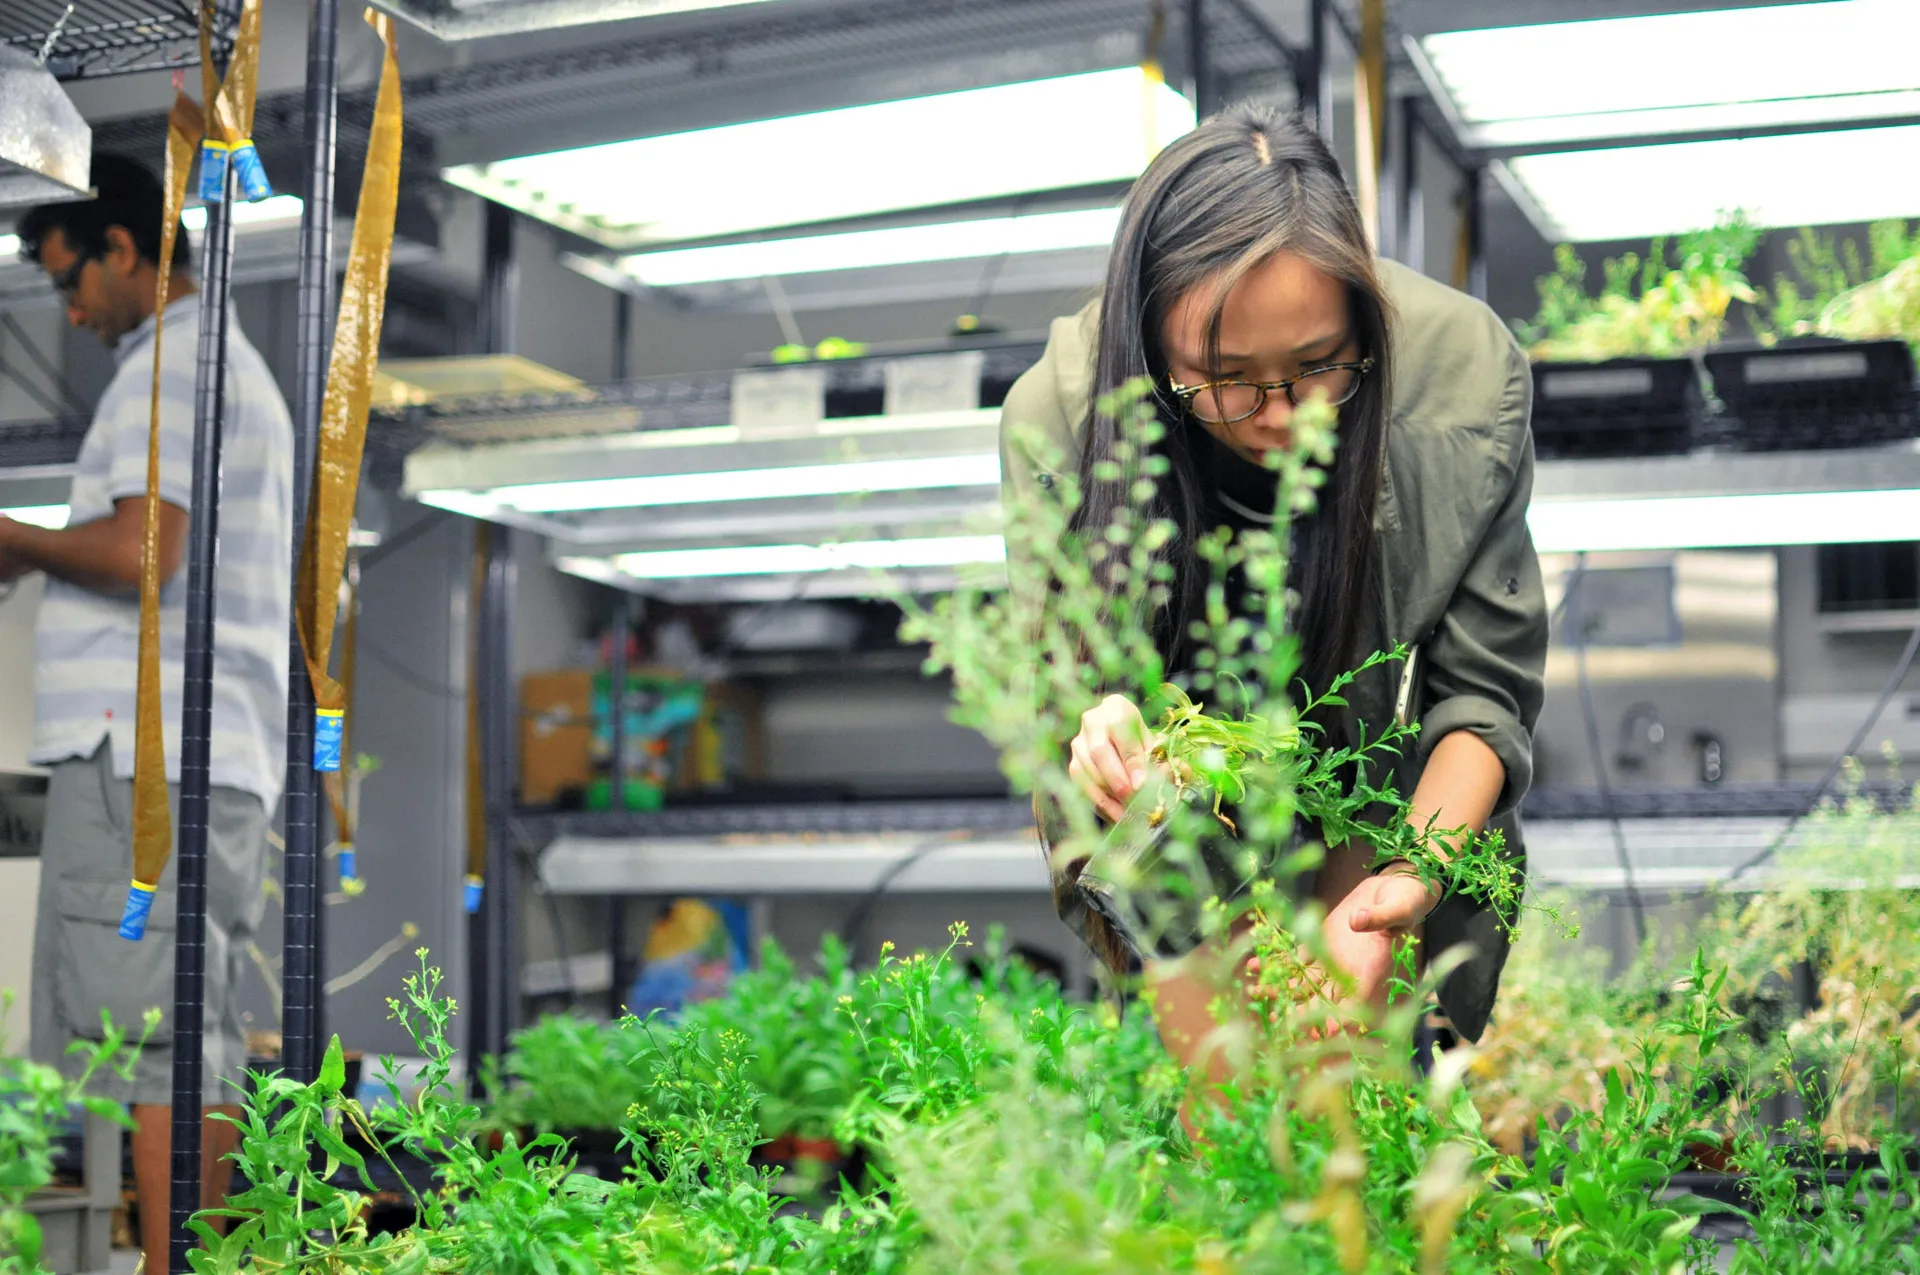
67	282
1228	402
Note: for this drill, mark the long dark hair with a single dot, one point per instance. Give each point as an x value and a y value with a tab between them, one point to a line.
1214	205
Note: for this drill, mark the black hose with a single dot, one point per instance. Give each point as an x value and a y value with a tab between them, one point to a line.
1575	579
1900	670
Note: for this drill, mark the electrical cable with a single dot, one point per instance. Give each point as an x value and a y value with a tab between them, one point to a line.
1900	670
852	930
1575	579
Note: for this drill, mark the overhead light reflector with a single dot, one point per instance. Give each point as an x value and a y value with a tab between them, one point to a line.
1800	179
859	555
46	148
1745	68
901	245
924	152
1724	522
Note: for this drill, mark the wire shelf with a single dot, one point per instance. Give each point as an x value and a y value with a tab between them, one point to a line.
40	444
110	37
855	388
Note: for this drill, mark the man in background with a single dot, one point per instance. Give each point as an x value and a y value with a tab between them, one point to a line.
103	256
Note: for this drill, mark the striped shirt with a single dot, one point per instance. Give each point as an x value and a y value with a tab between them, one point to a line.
88	643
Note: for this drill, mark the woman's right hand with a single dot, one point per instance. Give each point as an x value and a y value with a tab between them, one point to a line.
1110	757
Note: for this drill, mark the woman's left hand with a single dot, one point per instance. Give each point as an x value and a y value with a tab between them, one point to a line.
1362	928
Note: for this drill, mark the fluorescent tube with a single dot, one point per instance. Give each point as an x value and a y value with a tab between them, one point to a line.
924	152
1724	522
1800	179
50	516
839	479
1621	77
869	555
276	208
902	245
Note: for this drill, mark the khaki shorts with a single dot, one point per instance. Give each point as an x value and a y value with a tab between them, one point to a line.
82	966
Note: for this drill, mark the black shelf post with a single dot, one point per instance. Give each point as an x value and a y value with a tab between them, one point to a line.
196	731
302	1014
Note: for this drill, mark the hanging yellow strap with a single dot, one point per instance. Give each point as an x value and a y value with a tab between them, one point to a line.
476	788
230	104
343	418
343	436
152	820
1370	112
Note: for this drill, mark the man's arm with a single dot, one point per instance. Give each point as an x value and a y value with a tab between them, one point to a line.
102	555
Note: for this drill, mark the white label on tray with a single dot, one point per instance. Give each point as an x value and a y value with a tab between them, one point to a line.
779	400
929	383
1837	365
1612	383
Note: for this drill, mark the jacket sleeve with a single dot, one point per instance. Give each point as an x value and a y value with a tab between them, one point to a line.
1486	658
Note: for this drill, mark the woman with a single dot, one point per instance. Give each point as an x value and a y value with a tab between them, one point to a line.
1241	282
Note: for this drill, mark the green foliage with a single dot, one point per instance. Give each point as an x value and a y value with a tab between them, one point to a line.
566	1072
1834	291
35	1100
1647	306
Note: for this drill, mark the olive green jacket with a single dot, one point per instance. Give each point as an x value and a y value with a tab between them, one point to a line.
1459	579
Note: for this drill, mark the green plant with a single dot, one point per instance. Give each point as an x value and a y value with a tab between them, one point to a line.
568	1073
1647	306
1837	292
35	1100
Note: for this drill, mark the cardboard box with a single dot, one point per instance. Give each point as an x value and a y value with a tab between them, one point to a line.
556	735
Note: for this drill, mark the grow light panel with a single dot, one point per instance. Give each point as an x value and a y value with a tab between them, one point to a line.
950	148
1800	179
842	478
1725	69
857	555
898	246
1725	522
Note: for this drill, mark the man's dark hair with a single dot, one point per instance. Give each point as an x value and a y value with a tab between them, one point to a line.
129	197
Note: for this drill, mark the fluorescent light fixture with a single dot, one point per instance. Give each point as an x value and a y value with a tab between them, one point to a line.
455	20
1799	179
273	209
9	247
858	555
842	478
924	152
1615	77
902	245
1724	522
53	517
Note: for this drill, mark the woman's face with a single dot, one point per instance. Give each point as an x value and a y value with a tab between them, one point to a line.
1285	317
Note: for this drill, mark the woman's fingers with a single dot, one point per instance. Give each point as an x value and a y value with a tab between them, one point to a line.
1111	767
1109	756
1083	773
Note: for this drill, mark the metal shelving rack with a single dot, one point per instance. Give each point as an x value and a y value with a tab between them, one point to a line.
88	39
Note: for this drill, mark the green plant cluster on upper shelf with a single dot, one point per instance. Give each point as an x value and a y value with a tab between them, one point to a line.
1665	305
1647	306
